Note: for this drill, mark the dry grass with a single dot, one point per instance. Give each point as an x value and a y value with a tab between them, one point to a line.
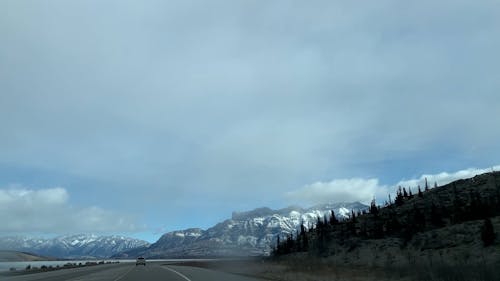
317	269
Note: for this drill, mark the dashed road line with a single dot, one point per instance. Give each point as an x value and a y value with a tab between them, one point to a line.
128	271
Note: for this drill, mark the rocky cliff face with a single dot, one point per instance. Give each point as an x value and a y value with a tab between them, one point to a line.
245	233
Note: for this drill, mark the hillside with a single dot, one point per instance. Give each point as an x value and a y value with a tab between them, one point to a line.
455	225
14	256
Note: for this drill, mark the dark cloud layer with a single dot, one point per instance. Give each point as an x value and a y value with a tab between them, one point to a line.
197	102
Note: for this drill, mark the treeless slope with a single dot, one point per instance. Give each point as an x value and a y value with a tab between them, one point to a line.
20	256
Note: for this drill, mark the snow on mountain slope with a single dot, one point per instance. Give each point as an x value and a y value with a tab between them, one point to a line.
245	233
72	246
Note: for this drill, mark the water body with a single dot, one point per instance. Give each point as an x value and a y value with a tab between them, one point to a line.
21	265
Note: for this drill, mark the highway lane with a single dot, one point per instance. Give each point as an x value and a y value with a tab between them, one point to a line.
153	271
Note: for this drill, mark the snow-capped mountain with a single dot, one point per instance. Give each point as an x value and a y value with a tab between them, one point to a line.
72	246
245	233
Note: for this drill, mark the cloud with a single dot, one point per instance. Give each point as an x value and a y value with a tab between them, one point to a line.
444	177
48	211
340	190
239	101
364	190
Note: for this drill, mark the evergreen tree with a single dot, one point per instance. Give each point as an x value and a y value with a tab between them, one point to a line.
435	184
399	197
409	228
476	209
319	224
378	228
498	200
333	218
373	207
420	194
302	229
458	207
487	233
419	219
426	185
436	216
303	235
278	246
393	225
305	243
405	194
410	194
289	244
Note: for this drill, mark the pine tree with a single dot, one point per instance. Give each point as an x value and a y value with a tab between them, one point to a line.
419	219
289	244
410	195
426	185
487	233
458	207
373	207
298	242
420	194
278	246
319	224
305	243
303	235
436	217
476	210
405	194
333	219
399	197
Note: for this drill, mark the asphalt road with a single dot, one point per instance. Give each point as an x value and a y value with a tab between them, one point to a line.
130	272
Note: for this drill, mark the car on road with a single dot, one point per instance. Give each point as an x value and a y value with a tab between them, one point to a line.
140	261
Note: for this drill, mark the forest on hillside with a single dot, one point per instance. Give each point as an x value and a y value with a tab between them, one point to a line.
426	209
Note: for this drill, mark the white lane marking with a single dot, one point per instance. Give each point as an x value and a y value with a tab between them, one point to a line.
176	272
120	277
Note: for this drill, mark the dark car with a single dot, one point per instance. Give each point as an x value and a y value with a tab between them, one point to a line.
140	260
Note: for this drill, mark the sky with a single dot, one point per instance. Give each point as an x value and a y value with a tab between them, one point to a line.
142	117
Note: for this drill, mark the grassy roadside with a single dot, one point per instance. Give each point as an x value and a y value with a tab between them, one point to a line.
321	270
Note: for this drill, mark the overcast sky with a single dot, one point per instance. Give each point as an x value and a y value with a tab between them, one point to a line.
141	117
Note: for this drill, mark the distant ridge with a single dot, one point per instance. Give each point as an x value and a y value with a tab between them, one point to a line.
245	233
72	246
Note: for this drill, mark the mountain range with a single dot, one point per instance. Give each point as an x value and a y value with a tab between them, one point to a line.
72	246
245	233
